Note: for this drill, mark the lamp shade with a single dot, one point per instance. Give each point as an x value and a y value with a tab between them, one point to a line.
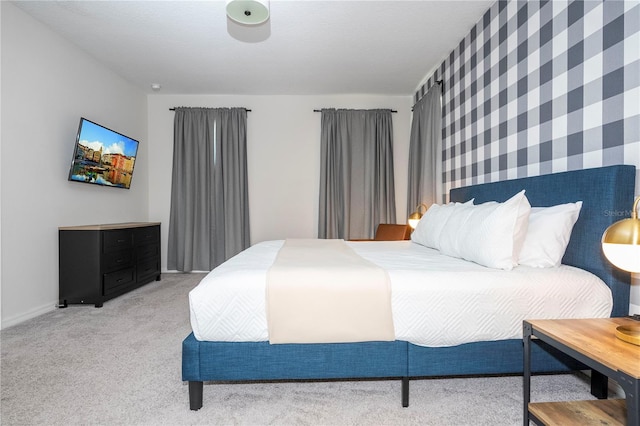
248	12
415	217
621	242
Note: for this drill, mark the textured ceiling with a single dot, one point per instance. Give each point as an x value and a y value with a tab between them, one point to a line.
306	47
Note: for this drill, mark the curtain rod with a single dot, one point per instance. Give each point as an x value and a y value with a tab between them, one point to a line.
174	108
319	110
440	82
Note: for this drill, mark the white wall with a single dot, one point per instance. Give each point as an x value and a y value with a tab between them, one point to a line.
283	138
47	84
0	179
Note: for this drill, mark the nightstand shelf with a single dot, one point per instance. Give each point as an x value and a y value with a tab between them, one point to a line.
592	342
591	412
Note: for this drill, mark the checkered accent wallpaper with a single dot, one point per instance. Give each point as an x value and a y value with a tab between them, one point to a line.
542	86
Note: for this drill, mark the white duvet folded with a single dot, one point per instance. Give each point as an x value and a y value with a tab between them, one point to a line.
321	291
436	300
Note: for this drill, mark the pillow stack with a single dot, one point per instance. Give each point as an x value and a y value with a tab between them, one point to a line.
499	235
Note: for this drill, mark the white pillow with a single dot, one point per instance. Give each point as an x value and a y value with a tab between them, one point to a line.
429	228
452	237
548	234
490	234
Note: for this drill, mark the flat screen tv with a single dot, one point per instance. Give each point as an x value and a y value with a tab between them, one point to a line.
102	156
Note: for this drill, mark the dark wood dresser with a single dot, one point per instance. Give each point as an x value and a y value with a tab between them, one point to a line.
100	262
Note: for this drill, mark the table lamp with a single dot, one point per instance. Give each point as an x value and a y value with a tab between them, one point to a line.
621	245
415	217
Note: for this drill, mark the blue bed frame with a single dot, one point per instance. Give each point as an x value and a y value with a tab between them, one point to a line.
606	192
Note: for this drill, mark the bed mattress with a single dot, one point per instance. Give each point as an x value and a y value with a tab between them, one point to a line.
436	300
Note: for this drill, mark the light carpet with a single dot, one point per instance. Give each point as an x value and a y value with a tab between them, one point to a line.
120	365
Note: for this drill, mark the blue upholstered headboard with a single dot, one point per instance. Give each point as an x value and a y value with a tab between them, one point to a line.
607	196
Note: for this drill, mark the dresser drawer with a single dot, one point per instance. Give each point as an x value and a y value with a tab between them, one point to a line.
148	251
116	240
147	235
148	270
117	260
117	280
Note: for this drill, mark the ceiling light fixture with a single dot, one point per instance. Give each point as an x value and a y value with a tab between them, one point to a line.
248	12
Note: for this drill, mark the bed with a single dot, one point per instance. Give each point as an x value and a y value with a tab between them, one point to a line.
604	192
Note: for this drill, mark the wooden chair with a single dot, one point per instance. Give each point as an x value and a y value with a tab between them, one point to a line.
392	232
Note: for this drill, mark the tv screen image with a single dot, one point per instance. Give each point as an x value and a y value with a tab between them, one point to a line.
103	156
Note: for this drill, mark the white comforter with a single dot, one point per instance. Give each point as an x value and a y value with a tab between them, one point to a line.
436	300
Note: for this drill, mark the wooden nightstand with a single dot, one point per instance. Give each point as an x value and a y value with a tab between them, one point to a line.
592	342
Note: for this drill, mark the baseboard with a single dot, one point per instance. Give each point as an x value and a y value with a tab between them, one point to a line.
8	322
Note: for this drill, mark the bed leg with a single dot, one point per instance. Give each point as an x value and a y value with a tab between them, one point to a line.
405	392
195	395
599	385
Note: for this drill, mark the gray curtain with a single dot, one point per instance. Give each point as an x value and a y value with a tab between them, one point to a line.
209	219
356	173
425	151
